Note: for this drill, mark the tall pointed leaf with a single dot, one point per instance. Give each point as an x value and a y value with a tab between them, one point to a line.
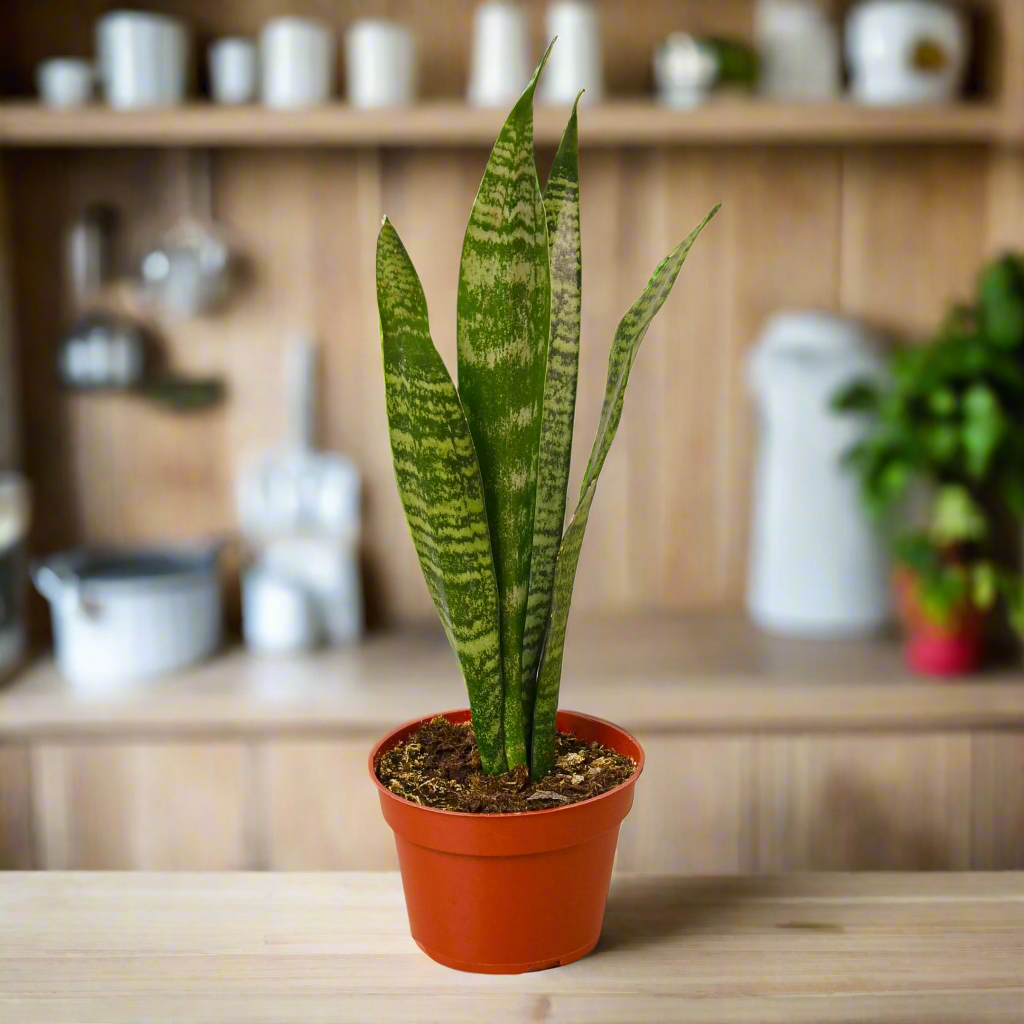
628	337
439	482
562	207
503	311
545	707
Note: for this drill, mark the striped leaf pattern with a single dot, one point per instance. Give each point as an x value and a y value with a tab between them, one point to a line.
545	708
628	336
503	313
439	482
562	208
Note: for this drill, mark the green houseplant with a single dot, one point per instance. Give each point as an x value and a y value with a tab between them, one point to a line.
950	424
482	473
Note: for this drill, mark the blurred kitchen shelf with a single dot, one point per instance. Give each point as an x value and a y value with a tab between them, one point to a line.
663	673
722	122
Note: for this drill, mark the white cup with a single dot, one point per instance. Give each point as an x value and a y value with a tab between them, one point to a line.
296	63
233	70
279	615
575	61
380	61
65	82
500	60
143	59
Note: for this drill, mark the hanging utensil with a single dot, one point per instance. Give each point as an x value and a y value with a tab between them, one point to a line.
189	270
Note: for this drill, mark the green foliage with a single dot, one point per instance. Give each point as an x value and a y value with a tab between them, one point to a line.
562	206
504	311
952	418
483	471
439	482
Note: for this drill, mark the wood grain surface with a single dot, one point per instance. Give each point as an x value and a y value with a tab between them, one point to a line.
318	948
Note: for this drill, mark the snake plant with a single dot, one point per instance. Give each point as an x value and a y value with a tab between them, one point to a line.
482	470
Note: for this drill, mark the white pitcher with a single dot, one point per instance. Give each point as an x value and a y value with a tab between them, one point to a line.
817	563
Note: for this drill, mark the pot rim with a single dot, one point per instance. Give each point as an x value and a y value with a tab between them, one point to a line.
506	815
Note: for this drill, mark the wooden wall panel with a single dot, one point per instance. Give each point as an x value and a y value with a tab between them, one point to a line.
863	803
913	234
17	851
892	235
319	810
693	811
997	802
140	806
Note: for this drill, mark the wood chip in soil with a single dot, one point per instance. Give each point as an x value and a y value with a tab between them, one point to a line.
439	766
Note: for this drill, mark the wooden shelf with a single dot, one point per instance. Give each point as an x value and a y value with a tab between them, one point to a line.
666	673
722	122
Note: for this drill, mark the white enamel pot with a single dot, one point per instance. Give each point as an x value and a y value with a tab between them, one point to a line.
120	616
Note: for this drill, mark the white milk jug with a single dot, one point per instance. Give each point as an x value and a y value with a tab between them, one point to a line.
817	563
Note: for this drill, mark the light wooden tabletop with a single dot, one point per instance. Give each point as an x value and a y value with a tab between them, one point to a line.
318	948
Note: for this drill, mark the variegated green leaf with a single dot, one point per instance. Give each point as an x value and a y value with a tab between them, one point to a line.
562	207
439	482
503	310
628	336
545	707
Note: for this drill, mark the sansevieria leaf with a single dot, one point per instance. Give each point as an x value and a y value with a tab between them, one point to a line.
628	337
630	333
545	705
439	482
562	207
503	312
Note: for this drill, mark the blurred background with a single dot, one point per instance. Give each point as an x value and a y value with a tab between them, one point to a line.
800	587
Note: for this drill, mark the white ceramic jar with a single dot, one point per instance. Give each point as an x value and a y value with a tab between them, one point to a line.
799	49
817	565
576	61
143	59
906	52
380	64
500	57
297	60
233	70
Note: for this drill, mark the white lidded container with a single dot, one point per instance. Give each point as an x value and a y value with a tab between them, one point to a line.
817	563
906	51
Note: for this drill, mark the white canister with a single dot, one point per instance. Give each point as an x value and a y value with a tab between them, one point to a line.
65	82
143	59
906	52
380	64
279	615
817	564
500	57
576	62
297	58
798	45
233	72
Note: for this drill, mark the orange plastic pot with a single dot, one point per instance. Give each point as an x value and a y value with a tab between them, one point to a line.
508	893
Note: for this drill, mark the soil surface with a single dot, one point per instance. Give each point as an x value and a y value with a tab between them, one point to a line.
439	766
